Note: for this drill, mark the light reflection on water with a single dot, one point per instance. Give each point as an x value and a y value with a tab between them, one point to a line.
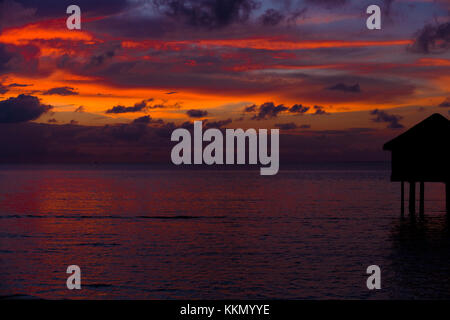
156	234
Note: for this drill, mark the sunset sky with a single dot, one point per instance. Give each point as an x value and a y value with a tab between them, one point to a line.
305	66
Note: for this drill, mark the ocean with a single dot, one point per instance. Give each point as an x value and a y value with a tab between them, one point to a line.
155	232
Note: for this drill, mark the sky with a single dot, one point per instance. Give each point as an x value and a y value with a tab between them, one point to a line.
137	69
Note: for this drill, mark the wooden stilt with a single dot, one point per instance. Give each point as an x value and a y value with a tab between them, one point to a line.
447	197
422	198
402	199
412	197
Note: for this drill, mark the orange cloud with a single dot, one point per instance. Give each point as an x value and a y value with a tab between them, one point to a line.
50	36
43	30
263	43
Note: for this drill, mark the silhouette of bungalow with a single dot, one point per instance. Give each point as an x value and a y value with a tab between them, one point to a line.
422	154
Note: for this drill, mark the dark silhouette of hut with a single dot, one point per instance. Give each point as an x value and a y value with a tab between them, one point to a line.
422	154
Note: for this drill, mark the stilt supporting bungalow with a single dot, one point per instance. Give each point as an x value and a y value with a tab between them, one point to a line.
412	197
402	196
422	199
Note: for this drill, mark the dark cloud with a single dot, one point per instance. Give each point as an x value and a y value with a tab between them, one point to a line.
319	110
445	103
266	110
61	91
138	107
19	85
271	17
144	119
123	109
432	39
298	108
327	3
143	106
286	126
346	88
147	120
165	106
197	113
21	109
295	14
100	59
80	109
207	13
187	125
251	108
6	88
52	120
270	110
217	124
391	119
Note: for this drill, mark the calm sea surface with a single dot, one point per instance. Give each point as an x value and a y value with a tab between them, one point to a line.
155	233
